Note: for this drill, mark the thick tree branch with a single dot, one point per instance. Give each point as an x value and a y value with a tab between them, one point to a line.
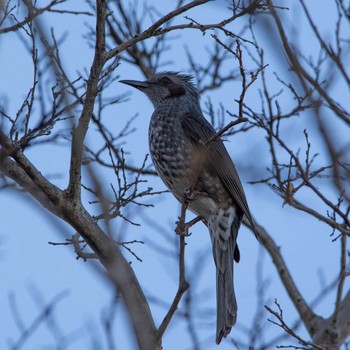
343	319
57	202
74	187
331	335
26	173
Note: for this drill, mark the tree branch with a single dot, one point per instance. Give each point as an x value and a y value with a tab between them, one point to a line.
310	319
74	187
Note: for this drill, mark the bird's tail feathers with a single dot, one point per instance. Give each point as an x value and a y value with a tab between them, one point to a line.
223	227
225	298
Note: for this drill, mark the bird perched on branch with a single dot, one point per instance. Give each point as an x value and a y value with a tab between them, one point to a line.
196	167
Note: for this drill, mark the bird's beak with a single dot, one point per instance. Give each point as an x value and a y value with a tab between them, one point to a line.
141	85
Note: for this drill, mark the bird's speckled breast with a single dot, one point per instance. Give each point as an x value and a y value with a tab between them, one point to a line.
169	148
173	155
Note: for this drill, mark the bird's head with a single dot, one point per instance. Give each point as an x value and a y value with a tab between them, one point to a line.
165	85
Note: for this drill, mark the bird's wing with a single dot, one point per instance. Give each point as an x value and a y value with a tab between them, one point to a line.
199	131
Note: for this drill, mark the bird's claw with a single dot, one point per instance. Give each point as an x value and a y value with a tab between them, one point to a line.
189	195
182	228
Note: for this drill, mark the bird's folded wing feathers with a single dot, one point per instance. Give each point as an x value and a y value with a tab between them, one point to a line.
199	131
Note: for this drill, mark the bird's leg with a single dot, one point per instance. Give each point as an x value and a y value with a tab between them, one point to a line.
181	226
189	195
189	224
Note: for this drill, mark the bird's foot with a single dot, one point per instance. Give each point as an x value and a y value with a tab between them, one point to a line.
182	228
189	195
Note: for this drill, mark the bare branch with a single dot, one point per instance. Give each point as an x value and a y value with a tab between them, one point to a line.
80	131
310	319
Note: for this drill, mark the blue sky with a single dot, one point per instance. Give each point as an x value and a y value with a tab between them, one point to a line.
34	272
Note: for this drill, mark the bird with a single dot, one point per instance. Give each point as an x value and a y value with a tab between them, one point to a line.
194	164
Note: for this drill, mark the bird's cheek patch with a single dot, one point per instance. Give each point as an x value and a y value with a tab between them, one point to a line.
176	90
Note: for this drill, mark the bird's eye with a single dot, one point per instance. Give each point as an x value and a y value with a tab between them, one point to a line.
165	81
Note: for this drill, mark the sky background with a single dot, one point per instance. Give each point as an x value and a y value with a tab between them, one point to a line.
33	273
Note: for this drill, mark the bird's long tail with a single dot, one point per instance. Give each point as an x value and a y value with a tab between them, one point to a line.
223	228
